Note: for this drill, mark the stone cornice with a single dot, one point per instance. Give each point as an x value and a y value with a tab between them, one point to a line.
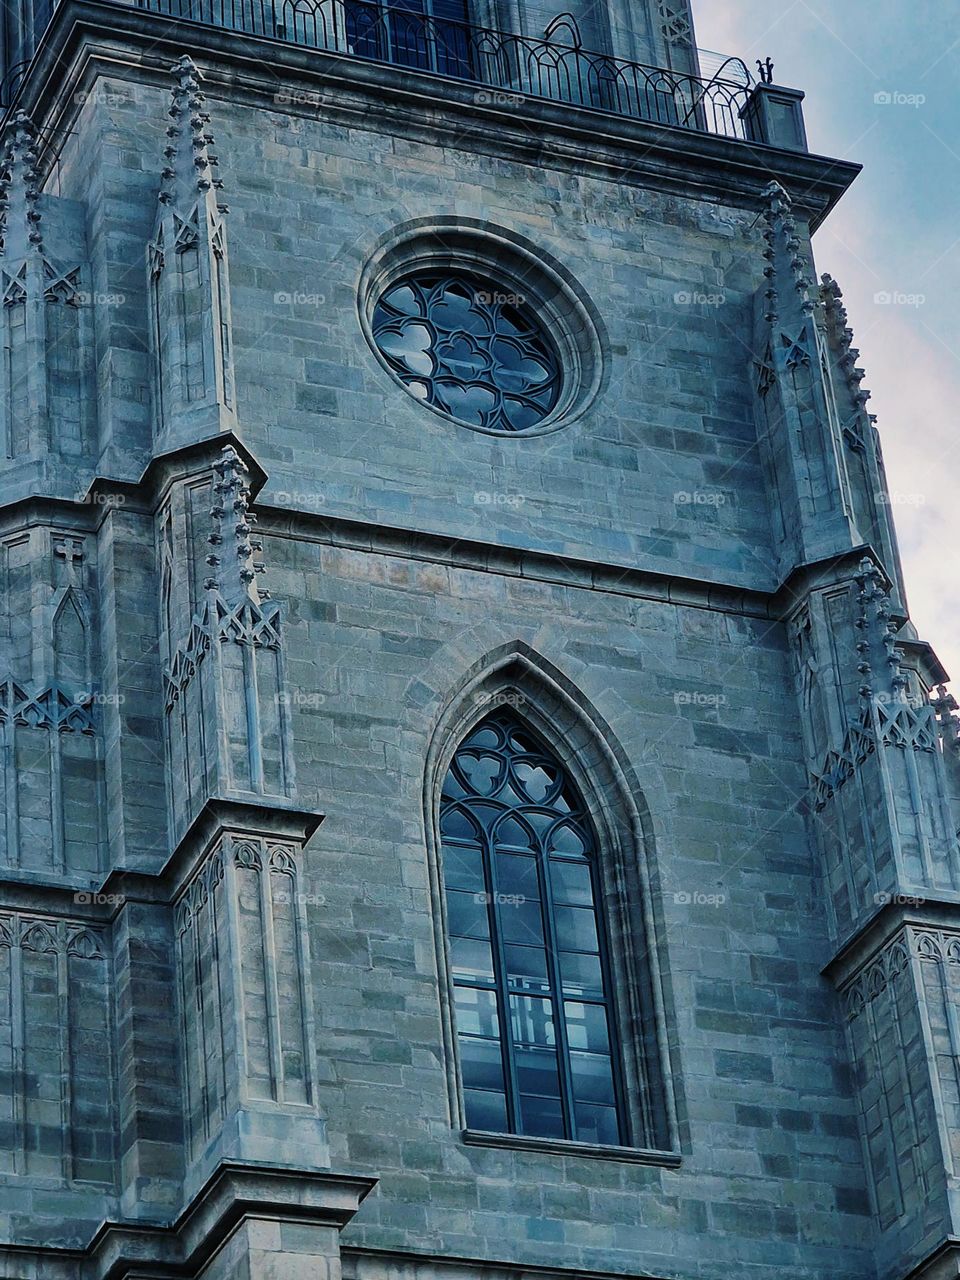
514	562
88	38
914	906
235	1191
920	653
78	900
942	1264
257	817
359	1264
818	574
142	497
166	469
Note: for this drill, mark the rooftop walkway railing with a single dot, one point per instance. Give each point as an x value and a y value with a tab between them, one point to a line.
505	67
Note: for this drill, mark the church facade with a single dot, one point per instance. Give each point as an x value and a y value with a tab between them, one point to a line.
474	803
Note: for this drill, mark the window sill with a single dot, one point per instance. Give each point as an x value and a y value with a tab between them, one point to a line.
565	1147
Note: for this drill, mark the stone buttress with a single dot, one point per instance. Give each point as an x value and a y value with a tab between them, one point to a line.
880	742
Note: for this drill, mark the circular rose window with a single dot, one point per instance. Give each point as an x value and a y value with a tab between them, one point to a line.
468	348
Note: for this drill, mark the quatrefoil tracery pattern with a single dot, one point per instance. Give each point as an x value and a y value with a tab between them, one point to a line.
469	349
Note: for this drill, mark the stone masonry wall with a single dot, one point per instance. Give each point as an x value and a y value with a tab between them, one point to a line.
697	704
663	472
771	1176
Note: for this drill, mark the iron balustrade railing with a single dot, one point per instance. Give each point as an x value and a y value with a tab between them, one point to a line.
506	68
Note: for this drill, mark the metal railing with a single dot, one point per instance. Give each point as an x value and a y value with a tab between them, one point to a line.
506	68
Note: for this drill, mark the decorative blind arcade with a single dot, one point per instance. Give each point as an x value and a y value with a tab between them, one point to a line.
531	980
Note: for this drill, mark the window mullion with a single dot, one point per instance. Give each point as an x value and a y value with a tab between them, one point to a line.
609	1007
556	993
502	987
430	35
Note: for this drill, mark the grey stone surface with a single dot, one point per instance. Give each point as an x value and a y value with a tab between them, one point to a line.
221	1021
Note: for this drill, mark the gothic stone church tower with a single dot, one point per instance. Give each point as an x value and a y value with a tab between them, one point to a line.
546	867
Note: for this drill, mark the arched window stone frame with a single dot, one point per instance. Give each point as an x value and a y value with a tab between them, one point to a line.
512	264
556	711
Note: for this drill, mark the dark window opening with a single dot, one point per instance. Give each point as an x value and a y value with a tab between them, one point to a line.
528	949
430	35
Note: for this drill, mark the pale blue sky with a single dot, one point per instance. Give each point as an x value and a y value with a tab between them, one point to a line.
896	231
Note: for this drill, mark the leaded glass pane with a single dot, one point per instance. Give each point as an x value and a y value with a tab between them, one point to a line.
527	967
531	1020
477	1012
526	940
597	1124
481	1063
576	928
467	915
463	867
471	959
572	883
592	1078
567	839
587	1026
582	975
468	348
517	876
455	822
537	1072
428	34
485	1110
541	1117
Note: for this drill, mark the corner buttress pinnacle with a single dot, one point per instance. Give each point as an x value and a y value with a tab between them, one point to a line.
190	328
882	678
19	190
841	336
789	304
231	543
187	175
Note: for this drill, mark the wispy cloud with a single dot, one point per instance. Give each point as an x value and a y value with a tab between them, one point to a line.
880	83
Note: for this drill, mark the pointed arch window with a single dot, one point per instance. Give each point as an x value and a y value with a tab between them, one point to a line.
535	1021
